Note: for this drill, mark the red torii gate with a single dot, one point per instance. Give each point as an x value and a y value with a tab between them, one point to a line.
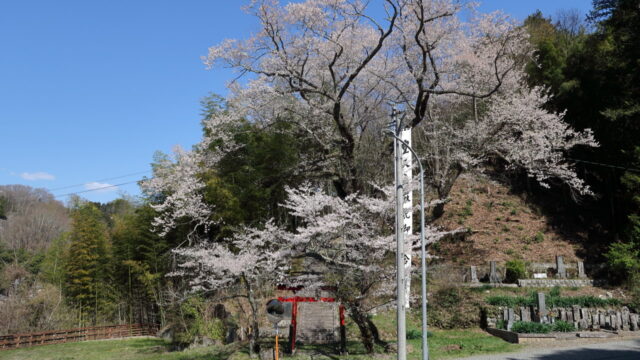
294	313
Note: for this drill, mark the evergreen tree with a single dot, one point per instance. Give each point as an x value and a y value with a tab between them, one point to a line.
595	77
141	259
87	275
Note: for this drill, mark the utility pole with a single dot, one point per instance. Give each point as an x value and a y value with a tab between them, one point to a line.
400	145
400	265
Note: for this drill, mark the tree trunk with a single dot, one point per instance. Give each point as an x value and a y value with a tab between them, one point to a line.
254	347
359	317
368	330
438	211
376	335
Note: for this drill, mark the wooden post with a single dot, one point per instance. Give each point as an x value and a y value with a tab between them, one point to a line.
343	331
294	326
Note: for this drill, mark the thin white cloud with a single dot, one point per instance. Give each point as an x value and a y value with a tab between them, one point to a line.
100	187
37	176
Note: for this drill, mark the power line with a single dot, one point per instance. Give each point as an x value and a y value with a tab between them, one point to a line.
98	189
107	179
606	165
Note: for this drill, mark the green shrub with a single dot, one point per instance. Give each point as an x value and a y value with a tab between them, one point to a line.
510	301
555	291
584	301
467	210
417	334
527	327
482	288
516	269
539	237
623	259
633	286
453	308
563	326
553	299
195	322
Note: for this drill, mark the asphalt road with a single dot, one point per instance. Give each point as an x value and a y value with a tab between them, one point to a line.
618	350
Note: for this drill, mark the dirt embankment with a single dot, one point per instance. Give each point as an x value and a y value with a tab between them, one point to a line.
504	226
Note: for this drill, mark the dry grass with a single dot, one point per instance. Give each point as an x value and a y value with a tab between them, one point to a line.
503	225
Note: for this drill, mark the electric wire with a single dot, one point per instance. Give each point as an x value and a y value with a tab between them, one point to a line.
606	165
146	171
107	179
100	188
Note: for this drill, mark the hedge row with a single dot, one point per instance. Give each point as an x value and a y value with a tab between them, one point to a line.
551	301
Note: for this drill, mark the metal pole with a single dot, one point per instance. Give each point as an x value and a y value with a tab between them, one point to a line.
423	252
400	278
277	350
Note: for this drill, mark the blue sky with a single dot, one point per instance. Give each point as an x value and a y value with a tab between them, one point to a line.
89	90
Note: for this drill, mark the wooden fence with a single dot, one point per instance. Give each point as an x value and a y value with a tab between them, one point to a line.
15	341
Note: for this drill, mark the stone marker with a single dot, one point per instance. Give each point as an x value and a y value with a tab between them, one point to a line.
576	313
563	315
602	321
561	269
511	318
583	324
584	314
619	320
581	273
474	274
540	275
570	316
525	314
634	322
625	318
493	273
542	308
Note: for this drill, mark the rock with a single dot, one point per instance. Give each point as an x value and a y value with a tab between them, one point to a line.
203	341
594	334
452	347
167	333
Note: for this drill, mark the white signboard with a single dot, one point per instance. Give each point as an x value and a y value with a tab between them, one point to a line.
407	206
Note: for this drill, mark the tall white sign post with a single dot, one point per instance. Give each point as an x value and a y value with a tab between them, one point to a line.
407	207
400	231
404	216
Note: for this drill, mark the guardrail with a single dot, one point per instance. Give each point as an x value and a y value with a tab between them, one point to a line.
15	341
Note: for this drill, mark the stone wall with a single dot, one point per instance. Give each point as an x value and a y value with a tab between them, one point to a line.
582	318
554	282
